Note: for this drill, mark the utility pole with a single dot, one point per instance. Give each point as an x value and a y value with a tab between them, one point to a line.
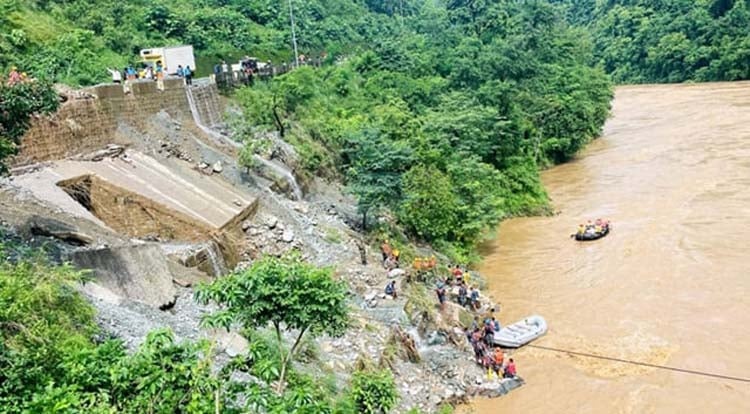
294	35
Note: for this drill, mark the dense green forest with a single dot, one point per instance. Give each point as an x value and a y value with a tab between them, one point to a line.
638	41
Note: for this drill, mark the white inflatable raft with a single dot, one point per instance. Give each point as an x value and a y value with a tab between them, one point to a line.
521	332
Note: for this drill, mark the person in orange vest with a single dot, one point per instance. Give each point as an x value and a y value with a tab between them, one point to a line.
386	249
498	360
417	264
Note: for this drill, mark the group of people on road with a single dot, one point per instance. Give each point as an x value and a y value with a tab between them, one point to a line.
185	73
156	72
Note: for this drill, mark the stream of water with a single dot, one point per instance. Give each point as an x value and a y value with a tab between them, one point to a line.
277	169
669	285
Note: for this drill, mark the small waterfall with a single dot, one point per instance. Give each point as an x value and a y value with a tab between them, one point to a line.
218	137
218	266
421	345
278	169
285	173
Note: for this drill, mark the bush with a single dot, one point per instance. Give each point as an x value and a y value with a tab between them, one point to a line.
373	391
18	102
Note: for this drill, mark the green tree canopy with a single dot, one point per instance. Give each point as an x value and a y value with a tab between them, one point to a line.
286	293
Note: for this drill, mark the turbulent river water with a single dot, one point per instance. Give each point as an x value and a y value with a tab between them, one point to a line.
669	285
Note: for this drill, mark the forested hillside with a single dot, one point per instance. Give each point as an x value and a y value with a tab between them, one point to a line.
639	41
75	41
445	118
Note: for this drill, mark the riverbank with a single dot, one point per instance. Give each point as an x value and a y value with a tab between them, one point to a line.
664	287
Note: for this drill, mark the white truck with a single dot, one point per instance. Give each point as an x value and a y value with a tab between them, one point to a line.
171	57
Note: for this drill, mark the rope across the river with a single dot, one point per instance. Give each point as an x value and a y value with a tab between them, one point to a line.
643	364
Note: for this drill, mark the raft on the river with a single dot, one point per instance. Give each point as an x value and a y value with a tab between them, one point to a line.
521	332
593	235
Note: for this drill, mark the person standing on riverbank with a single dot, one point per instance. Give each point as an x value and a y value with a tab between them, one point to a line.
474	298
510	370
386	250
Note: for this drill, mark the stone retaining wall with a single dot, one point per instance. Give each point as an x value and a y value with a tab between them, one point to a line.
89	121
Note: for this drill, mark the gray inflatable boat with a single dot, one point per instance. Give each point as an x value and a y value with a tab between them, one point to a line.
521	332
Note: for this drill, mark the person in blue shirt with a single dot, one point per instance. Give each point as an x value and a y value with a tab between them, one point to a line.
474	298
188	73
496	323
180	72
390	289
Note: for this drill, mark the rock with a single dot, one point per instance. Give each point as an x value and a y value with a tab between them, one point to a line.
232	343
326	347
300	208
436	338
218	167
203	166
382	296
271	222
370	297
245	225
237	203
396	273
287	236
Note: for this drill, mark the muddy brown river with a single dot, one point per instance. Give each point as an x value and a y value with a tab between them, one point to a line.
669	285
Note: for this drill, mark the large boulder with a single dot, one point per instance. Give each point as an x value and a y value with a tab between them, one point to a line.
139	273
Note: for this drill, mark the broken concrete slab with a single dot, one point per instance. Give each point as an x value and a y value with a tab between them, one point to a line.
43	226
139	273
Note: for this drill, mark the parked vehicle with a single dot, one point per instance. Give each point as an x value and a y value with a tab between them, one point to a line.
171	57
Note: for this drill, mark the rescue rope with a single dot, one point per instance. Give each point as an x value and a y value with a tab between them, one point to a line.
644	364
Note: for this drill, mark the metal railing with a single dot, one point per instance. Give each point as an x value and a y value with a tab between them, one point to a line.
236	79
